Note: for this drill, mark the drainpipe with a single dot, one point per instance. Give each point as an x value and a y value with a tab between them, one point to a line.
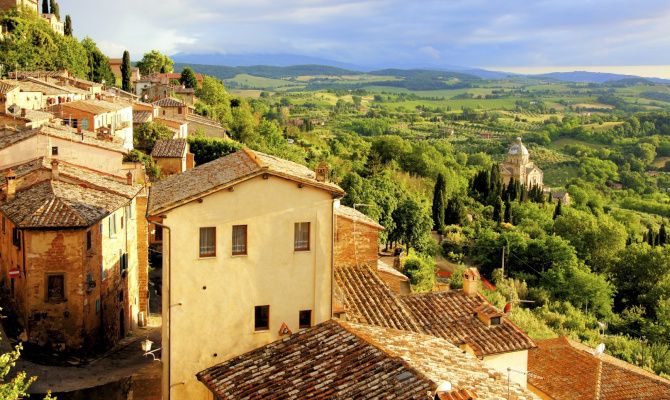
169	308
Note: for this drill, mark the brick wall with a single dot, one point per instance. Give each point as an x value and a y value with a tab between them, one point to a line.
143	254
356	243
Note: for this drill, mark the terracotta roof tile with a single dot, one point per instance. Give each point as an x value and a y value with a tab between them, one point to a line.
355	215
95	106
142	117
7	86
169	148
350	361
452	315
367	299
168	102
564	370
218	174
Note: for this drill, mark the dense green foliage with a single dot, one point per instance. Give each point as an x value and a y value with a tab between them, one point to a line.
207	149
146	135
188	78
154	62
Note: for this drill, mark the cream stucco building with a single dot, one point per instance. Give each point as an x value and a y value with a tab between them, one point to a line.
518	167
247	258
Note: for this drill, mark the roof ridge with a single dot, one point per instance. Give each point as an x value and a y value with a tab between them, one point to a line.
252	155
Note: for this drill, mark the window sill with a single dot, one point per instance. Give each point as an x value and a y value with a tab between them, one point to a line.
239	255
262	331
207	257
302	251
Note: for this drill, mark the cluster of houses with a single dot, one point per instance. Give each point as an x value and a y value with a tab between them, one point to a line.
54	21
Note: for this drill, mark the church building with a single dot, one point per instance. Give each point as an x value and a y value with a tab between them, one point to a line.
518	166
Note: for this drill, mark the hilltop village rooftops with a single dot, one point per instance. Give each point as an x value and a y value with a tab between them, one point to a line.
169	148
452	315
226	171
567	370
96	106
169	102
345	360
457	317
9	137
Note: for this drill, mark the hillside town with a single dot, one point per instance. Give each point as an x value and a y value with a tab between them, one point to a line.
135	271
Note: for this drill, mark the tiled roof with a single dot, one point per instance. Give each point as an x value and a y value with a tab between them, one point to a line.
368	300
336	360
384	267
564	370
355	215
8	137
169	148
202	120
168	102
142	117
7	86
56	204
218	174
37	87
452	315
95	106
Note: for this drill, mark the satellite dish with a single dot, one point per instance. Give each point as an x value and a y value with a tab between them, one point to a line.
444	387
600	349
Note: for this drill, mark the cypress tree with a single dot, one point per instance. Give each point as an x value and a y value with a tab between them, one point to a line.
497	210
68	26
495	184
508	212
125	72
55	9
550	198
524	194
438	202
45	6
558	210
188	78
651	236
662	236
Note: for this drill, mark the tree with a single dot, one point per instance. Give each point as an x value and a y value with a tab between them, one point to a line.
455	213
68	26
188	78
558	210
99	69
497	210
125	72
206	149
508	211
148	133
412	223
662	236
45	6
154	62
651	236
55	9
439	194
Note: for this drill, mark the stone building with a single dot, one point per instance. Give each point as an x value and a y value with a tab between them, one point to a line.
247	259
9	4
172	156
518	167
69	253
356	238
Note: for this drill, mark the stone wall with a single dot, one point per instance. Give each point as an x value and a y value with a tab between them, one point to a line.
356	243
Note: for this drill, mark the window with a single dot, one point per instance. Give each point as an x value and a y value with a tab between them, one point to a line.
84	124
495	321
301	237
239	240
56	288
112	225
207	242
16	238
262	318
89	240
305	319
54	150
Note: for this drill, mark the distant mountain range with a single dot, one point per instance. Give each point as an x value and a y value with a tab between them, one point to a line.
228	65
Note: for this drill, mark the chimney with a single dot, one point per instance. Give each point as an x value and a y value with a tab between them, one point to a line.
11	185
54	170
322	172
129	179
471	282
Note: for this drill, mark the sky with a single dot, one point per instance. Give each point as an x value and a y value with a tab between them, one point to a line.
390	33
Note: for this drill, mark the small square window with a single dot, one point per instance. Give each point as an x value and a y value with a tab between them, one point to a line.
55	288
305	319
207	242
54	150
301	236
262	318
239	240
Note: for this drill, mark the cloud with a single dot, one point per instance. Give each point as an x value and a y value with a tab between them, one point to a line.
388	32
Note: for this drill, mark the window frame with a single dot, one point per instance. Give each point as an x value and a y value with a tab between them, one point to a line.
300	319
297	227
246	240
54	150
47	298
213	245
265	328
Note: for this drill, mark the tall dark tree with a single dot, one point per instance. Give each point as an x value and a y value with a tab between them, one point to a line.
550	198
439	194
455	213
188	78
68	26
497	210
55	9
508	212
495	184
662	236
651	236
45	6
558	210
125	72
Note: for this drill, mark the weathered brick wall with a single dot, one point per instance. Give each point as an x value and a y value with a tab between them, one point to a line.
396	283
143	254
170	166
355	243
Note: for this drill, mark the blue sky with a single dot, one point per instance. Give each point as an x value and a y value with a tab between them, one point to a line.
504	33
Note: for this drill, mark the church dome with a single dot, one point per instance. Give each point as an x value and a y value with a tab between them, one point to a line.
518	148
